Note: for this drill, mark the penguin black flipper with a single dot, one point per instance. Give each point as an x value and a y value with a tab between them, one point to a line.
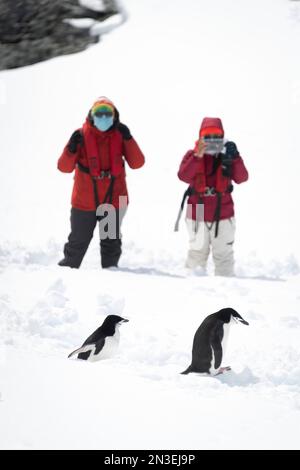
96	348
217	349
84	349
84	356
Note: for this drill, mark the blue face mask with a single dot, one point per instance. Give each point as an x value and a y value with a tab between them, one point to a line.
103	123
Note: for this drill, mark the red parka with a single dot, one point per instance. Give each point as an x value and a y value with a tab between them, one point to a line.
188	173
113	151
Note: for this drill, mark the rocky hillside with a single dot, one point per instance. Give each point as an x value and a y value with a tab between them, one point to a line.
35	30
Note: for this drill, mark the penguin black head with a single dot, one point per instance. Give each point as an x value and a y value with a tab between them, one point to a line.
115	319
228	314
111	321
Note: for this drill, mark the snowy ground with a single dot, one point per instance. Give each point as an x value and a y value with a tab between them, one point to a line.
165	71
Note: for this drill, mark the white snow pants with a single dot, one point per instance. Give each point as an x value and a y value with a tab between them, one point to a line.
222	245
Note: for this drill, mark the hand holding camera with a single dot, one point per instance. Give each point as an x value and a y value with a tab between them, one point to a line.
231	152
200	149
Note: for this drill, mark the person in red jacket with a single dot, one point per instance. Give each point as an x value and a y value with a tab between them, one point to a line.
209	169
98	152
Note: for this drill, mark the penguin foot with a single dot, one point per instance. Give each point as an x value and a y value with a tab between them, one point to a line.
223	369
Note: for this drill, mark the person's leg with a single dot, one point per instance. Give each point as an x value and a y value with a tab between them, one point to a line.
82	227
198	245
111	251
222	247
110	239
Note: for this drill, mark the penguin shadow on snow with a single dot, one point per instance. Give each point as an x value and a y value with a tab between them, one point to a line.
209	348
149	271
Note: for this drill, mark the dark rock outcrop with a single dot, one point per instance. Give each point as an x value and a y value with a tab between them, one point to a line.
35	30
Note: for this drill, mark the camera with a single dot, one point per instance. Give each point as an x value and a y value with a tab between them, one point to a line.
214	145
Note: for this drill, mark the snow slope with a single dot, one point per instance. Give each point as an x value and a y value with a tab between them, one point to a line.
169	65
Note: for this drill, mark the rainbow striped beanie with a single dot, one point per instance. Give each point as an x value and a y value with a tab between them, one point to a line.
103	104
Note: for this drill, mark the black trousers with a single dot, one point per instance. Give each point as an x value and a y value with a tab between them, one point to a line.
83	224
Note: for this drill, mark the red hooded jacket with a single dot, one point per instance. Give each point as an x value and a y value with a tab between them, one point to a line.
112	152
188	173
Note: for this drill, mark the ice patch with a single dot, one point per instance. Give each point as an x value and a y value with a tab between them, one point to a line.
244	378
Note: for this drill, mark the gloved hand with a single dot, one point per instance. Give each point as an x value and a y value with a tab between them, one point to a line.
124	131
230	154
231	150
75	140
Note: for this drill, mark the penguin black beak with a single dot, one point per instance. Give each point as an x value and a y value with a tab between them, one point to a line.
241	320
124	320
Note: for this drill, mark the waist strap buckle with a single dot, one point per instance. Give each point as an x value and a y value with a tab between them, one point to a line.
103	174
210	191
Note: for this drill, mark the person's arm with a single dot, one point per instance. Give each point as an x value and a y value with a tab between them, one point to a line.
188	167
191	162
71	153
131	151
239	171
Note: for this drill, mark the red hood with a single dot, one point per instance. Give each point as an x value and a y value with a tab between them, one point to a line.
211	123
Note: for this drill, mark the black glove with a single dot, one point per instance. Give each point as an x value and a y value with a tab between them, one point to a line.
231	150
230	154
75	140
124	131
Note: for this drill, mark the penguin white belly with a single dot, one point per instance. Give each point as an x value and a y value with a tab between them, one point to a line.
109	349
226	328
212	369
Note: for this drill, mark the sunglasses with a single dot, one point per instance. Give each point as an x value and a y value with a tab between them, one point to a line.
212	136
101	114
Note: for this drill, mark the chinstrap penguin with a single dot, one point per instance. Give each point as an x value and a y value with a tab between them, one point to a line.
210	342
103	343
